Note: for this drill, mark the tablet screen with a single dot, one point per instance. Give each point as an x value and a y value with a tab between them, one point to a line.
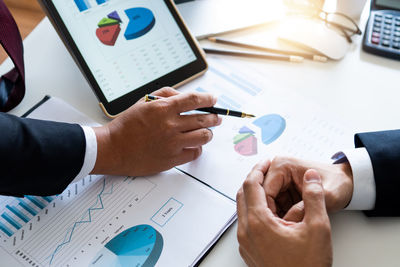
125	43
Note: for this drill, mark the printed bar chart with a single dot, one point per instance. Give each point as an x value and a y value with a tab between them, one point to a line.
48	199
6	230
36	201
11	221
18	213
28	208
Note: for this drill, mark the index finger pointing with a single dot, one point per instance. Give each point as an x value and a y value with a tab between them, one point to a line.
253	186
192	101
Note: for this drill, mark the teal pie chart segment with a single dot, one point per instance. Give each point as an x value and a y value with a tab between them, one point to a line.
140	245
272	126
141	21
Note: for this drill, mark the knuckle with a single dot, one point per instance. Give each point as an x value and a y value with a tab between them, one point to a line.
315	191
170	125
214	119
247	184
201	120
161	106
321	225
282	162
239	194
194	99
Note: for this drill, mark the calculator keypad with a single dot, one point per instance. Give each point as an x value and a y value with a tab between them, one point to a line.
386	31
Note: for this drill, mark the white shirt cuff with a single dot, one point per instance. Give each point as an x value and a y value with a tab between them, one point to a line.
90	153
364	193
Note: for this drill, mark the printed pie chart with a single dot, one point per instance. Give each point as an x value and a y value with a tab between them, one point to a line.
141	21
272	126
140	245
245	142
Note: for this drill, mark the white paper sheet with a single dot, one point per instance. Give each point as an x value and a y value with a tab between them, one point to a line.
292	125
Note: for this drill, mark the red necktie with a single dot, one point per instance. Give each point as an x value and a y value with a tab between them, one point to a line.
12	84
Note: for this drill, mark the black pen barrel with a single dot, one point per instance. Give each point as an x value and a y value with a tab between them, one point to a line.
221	111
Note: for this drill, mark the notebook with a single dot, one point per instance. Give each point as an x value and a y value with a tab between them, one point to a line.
169	219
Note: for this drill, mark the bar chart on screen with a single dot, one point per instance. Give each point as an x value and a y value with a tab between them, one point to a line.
84	5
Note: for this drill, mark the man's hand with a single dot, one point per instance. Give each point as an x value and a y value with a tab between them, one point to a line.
267	240
284	185
152	137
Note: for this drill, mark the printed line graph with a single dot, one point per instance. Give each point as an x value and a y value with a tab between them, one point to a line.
82	221
81	218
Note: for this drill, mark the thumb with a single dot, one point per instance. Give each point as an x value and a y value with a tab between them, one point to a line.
313	197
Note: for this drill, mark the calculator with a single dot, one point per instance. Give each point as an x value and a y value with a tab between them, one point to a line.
382	33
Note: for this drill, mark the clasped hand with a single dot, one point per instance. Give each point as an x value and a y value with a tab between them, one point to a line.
282	212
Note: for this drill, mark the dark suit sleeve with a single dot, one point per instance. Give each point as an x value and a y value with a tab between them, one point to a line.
384	151
38	157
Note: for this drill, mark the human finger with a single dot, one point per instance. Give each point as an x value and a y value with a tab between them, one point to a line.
253	190
198	121
313	197
196	138
187	155
272	205
285	200
296	213
276	181
166	92
192	101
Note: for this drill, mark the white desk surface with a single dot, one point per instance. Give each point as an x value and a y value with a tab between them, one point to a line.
362	89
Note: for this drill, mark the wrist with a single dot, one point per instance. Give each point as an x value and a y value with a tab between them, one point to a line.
347	175
106	160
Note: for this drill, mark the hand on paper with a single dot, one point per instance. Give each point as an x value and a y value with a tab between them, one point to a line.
284	185
152	137
267	240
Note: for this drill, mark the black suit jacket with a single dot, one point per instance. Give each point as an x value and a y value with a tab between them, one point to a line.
384	150
38	157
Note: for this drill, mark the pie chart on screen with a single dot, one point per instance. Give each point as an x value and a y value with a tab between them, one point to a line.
140	245
141	21
109	28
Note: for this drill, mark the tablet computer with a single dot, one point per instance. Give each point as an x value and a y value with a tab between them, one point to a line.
126	48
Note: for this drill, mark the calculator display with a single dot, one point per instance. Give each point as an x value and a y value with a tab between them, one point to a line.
392	4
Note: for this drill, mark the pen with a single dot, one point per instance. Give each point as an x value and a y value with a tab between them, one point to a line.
267	49
213	110
253	55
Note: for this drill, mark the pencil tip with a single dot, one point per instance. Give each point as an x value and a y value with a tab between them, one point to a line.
212	39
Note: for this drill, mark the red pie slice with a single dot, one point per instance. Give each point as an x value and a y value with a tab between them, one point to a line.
108	35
